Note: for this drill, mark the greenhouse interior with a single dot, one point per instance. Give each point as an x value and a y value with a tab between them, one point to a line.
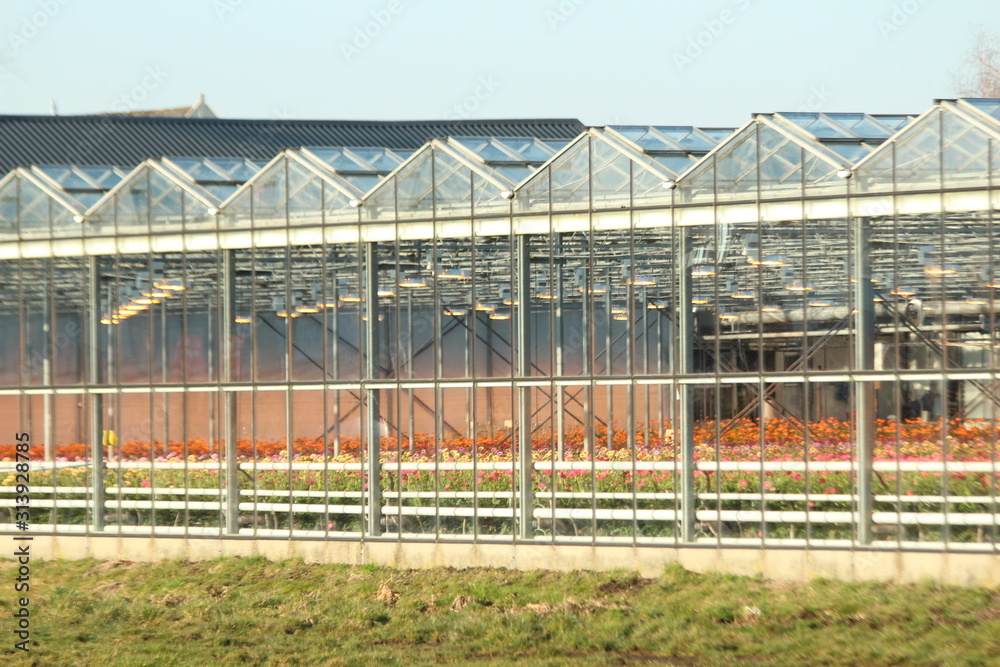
784	333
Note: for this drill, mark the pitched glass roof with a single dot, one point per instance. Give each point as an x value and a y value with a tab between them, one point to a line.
84	184
219	176
989	106
675	147
514	158
851	136
364	168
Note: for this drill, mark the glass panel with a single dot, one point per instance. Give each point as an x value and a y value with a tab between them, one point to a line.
487	198
35	210
132	205
780	171
736	167
647	187
269	193
381	203
452	186
305	196
699	185
534	195
9	210
611	177
850	152
166	203
918	156
414	188
338	205
570	179
966	151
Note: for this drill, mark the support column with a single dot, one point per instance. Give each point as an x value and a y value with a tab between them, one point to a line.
96	400
864	360
229	397
523	338
48	346
684	427
373	414
557	390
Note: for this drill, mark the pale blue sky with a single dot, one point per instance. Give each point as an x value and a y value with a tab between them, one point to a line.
709	63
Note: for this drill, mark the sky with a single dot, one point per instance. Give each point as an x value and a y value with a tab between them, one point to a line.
710	63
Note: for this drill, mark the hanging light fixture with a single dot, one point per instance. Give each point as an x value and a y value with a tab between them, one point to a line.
454	274
411	282
757	259
486	307
349	296
703	270
903	292
641	281
935	270
499	314
171	284
385	292
243	319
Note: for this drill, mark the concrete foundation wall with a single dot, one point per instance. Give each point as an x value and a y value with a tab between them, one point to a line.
780	564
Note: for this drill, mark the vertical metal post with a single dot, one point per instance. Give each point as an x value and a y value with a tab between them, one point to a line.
228	374
684	428
374	465
96	400
864	360
557	390
523	268
48	347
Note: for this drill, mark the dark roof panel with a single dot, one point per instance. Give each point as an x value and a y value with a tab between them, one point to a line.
126	141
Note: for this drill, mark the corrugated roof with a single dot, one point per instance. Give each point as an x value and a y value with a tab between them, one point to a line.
127	140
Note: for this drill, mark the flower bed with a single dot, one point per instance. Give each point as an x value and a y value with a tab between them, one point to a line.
593	481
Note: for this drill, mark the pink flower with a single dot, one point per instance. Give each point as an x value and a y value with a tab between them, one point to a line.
144	482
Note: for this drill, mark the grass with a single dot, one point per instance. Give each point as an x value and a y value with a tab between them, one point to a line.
249	611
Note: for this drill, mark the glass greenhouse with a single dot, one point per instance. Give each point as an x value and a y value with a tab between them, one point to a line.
785	333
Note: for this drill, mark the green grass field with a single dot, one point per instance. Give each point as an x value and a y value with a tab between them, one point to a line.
249	611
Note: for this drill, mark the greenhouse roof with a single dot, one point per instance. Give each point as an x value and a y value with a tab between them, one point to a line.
126	141
850	136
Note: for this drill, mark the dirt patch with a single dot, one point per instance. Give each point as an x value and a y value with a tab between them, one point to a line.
461	602
584	607
109	588
102	569
634	583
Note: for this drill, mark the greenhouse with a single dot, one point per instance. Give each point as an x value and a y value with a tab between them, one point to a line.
784	334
